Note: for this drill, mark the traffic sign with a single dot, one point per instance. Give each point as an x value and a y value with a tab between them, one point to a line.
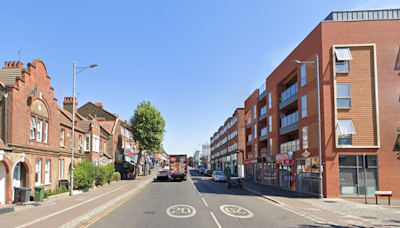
288	161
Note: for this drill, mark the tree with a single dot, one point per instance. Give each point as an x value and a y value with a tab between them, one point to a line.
190	161
148	128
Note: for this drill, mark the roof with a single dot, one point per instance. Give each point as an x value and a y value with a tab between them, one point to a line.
84	125
9	74
362	15
107	126
102	109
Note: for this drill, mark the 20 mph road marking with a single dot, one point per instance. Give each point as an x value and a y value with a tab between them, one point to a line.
236	211
181	211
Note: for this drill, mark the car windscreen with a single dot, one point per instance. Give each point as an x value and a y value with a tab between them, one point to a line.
219	173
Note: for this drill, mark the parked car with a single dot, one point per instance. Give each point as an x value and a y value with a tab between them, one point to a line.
166	168
208	172
163	174
218	176
202	170
198	168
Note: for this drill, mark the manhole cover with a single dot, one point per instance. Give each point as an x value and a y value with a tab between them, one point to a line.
35	204
149	212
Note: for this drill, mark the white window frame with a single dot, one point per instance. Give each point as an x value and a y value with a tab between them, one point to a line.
350	127
46	131
304	106
62	140
270	146
33	126
269	100
47	172
105	146
38	171
39	128
96	143
303	75
80	146
270	123
87	142
343	97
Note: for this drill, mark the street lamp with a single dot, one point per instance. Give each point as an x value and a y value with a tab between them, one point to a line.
73	124
321	192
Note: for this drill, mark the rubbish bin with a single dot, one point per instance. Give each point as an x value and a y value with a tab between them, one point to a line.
22	195
39	193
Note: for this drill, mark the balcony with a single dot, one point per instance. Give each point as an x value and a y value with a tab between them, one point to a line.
263	135
262	92
288	96
248	123
263	113
249	137
289	123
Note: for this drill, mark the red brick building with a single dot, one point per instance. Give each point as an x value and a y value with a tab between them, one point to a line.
359	66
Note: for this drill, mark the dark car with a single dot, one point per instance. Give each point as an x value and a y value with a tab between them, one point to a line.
208	172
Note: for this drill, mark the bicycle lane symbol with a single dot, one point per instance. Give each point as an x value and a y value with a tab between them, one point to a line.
236	211
181	211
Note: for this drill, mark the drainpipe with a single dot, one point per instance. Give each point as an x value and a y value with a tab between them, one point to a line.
5	119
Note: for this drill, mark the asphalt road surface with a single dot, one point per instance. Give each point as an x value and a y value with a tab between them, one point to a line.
198	202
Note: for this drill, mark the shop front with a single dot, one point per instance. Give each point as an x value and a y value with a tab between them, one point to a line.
307	172
270	170
285	174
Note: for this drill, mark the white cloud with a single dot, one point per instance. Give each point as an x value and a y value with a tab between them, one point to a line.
379	4
275	57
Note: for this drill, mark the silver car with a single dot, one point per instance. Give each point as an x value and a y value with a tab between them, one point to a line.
218	176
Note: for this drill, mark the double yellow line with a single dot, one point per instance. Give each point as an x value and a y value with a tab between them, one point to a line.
95	219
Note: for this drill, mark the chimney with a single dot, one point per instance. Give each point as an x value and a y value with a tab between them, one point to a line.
13	64
100	105
67	104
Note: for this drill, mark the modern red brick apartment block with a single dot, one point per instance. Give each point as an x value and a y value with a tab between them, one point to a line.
359	69
228	145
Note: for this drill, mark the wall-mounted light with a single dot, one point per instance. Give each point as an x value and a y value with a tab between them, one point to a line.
2	155
23	155
290	154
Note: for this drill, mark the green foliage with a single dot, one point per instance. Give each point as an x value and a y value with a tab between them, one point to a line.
116	176
84	174
58	190
148	128
106	174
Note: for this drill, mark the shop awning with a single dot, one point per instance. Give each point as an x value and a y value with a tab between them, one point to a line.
132	163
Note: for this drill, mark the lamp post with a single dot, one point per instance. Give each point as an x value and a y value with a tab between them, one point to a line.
73	124
321	192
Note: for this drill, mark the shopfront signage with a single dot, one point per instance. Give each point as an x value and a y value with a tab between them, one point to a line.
127	159
247	162
254	161
306	154
288	162
280	157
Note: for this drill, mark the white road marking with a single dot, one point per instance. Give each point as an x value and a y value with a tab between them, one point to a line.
215	220
205	202
181	211
236	211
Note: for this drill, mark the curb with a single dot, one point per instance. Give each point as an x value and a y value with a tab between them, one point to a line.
260	194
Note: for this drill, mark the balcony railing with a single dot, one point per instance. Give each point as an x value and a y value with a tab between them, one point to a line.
289	128
288	96
263	113
263	134
289	123
289	146
262	92
248	123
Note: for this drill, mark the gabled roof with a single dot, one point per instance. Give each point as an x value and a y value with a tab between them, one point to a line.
99	111
85	125
107	126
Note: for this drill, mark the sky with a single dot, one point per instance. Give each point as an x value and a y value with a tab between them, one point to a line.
196	61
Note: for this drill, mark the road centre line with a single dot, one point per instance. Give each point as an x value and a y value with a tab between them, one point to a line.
66	209
204	202
215	219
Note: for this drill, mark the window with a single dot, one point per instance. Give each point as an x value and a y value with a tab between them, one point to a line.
270	123
62	169
255	112
80	146
346	130
270	146
105	147
62	138
33	126
269	100
343	55
304	106
343	96
303	80
87	142
47	172
46	130
39	130
255	131
38	169
255	150
304	134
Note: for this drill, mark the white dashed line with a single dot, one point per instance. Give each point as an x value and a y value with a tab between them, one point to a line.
215	219
205	202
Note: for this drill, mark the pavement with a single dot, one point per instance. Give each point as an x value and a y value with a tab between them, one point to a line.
71	211
346	212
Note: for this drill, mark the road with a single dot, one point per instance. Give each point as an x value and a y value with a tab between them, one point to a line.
197	202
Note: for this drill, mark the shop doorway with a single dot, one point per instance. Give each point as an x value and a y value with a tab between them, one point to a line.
3	174
285	176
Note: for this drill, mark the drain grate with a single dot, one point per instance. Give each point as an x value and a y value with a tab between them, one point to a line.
149	212
35	204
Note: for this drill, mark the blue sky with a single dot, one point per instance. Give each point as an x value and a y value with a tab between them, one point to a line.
196	61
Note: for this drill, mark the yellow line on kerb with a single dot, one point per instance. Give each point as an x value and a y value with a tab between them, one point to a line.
95	219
